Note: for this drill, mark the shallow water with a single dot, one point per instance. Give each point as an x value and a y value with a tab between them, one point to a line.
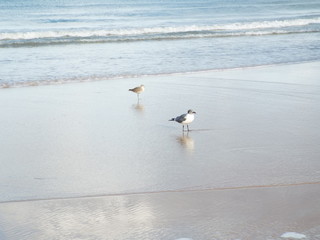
54	42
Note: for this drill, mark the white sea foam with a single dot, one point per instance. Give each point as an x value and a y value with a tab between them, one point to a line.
293	235
271	24
158	30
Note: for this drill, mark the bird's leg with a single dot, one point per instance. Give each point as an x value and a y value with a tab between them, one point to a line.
188	128
182	128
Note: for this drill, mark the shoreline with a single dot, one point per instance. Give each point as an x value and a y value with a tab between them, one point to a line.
88	79
128	194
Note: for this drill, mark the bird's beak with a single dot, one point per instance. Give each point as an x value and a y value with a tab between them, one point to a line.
194	112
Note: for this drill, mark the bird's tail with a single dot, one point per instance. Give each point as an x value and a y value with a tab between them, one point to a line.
172	119
131	90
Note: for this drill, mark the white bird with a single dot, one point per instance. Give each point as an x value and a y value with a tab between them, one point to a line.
137	90
185	119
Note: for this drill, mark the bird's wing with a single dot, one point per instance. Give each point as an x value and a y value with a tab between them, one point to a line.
181	118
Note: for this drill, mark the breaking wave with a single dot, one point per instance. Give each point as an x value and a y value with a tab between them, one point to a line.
78	36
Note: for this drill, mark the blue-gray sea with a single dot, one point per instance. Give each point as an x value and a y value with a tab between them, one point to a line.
57	41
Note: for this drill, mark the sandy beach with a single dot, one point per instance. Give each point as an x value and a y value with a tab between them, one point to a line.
87	161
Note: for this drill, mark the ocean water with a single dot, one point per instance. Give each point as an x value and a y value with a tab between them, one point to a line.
49	42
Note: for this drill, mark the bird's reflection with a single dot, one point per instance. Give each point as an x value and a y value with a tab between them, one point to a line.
138	107
186	142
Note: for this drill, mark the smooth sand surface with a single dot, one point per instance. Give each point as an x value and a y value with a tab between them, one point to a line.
112	168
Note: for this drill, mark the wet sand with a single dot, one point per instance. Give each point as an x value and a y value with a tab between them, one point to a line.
87	161
258	214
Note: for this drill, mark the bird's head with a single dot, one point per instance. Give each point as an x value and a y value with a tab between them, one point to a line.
190	111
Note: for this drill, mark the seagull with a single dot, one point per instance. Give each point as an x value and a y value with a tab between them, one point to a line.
137	90
185	119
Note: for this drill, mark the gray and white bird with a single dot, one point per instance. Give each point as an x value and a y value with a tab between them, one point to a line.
185	119
137	90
